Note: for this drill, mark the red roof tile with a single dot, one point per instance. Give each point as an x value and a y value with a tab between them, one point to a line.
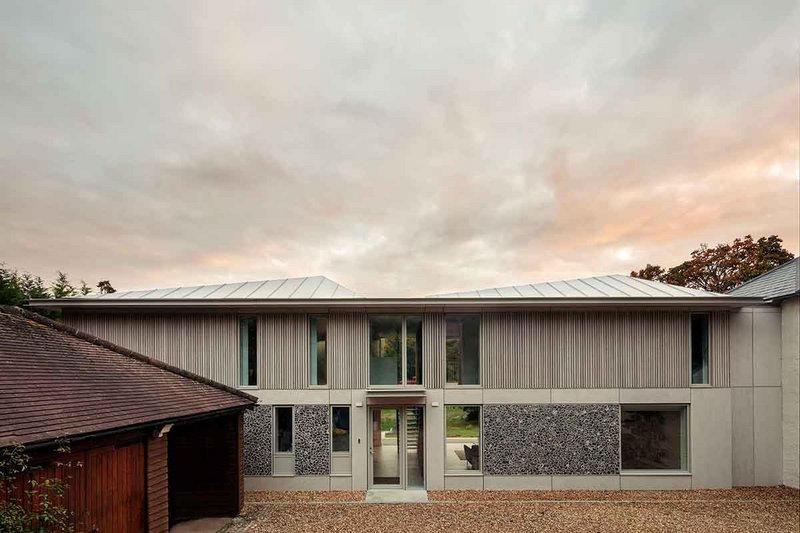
58	382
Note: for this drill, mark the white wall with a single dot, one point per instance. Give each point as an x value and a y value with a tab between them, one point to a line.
790	359
756	396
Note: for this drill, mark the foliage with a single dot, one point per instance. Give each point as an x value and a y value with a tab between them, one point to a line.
41	507
18	288
105	287
62	288
723	267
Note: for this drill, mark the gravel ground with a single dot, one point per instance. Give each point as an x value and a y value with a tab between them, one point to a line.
736	510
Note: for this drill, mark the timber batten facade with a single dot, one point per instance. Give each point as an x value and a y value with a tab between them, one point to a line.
524	350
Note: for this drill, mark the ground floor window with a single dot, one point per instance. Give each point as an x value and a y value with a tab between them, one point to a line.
340	429
654	437
463	438
284	430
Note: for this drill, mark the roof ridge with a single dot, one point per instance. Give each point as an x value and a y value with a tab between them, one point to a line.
14	310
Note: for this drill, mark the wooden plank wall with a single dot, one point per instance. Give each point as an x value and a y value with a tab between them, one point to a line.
105	493
157	485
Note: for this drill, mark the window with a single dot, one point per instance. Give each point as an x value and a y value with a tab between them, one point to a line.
654	438
395	350
463	351
248	353
340	429
318	349
284	431
463	438
700	349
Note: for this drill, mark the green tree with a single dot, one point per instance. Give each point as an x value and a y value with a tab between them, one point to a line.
105	287
62	288
723	267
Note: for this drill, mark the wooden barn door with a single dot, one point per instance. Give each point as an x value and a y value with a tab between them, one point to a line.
115	489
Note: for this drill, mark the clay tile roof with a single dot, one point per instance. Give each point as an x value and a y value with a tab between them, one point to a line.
56	382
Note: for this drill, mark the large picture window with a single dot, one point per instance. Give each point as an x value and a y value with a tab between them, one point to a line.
700	349
463	349
654	438
340	429
463	438
318	336
395	350
248	352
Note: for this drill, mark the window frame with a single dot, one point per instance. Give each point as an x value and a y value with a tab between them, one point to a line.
275	451
479	384
349	451
686	445
327	359
708	350
403	352
242	318
466	473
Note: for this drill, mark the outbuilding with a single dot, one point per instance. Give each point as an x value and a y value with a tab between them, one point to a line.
139	443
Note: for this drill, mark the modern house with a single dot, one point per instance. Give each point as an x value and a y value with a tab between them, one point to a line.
607	382
140	444
780	290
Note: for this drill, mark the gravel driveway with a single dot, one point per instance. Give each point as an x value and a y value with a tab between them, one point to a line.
747	509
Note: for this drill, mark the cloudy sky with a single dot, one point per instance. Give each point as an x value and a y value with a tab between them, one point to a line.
403	149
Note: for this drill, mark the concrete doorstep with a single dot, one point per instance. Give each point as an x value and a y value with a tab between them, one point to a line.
396	496
201	525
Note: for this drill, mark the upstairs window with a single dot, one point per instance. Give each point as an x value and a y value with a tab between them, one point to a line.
248	352
395	350
463	349
319	350
700	349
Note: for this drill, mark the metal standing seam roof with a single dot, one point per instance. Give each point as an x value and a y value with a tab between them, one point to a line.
279	289
56	382
783	280
613	286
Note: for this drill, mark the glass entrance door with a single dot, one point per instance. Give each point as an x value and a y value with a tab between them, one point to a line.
397	447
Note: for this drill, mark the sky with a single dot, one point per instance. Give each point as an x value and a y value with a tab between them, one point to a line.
399	148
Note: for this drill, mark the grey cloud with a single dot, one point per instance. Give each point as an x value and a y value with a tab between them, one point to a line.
399	149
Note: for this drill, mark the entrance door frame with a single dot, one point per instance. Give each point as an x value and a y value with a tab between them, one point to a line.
402	443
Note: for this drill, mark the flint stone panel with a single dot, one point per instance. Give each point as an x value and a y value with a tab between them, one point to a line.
312	440
547	439
258	441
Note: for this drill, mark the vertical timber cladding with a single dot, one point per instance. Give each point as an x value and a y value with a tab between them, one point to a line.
434	338
606	349
720	349
283	351
204	343
348	350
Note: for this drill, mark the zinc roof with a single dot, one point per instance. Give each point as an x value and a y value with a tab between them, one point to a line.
612	286
280	289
